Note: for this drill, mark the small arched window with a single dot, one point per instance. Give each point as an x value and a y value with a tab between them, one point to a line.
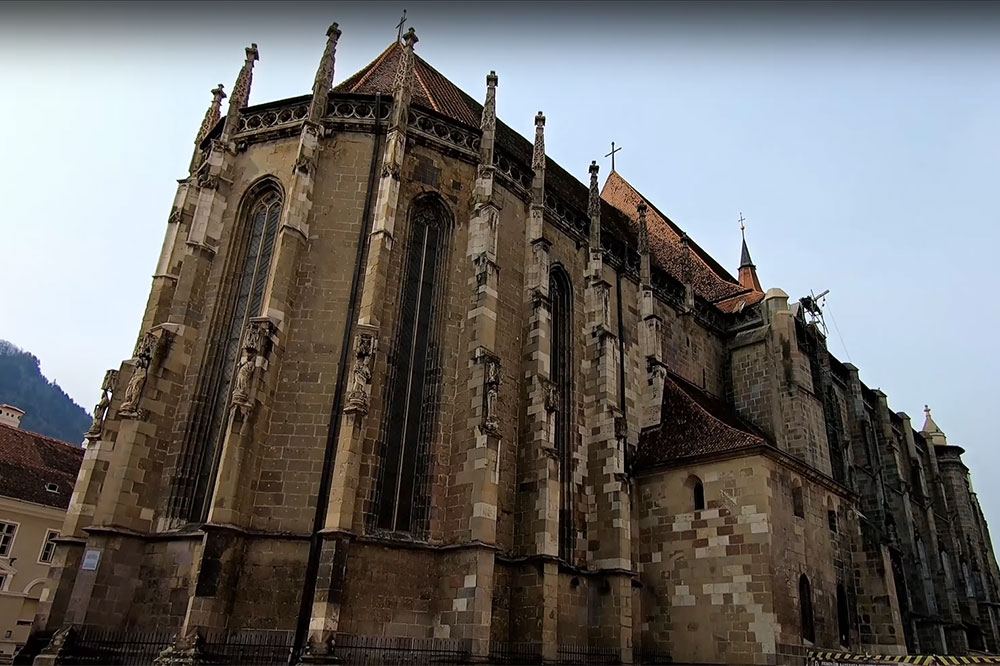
798	505
843	616
697	489
806	609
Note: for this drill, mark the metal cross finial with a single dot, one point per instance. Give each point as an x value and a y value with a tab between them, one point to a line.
927	410
399	27
742	226
612	154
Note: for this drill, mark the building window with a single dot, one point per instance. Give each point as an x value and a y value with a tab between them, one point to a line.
699	496
7	532
48	547
52	487
843	616
806	609
561	372
413	386
798	506
240	298
3	582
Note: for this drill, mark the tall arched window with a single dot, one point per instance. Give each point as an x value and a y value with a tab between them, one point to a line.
843	616
806	609
561	372
412	393
240	297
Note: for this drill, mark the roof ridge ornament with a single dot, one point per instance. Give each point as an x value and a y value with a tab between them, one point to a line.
324	75
241	92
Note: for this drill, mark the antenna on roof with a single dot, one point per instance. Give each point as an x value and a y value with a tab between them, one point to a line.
399	27
812	306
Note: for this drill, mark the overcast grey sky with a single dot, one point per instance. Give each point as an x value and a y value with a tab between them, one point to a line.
861	142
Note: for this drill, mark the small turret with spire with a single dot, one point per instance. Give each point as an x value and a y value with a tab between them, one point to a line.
931	431
748	272
324	76
212	116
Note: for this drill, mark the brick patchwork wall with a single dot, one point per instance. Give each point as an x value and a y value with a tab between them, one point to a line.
709	573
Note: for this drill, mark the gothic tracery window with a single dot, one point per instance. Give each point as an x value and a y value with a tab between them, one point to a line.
413	387
561	372
250	266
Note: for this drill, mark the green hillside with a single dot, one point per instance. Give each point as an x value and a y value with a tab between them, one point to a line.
49	410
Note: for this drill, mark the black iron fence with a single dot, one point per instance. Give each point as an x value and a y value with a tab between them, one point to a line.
89	646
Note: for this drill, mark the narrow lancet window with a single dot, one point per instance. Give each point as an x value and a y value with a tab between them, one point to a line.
561	372
806	609
413	388
250	266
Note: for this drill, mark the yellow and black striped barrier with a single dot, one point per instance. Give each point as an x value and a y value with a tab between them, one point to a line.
821	658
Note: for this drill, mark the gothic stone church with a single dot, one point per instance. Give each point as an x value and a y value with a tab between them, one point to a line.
401	375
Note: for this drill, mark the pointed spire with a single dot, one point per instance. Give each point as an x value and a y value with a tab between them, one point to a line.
324	75
489	121
594	208
688	259
931	431
538	161
748	272
241	92
645	270
402	86
212	115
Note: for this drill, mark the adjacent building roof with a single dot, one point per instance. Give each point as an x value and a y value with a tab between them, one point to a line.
37	469
693	423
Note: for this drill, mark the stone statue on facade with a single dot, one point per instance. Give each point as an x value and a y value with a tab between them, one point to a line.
141	358
491	417
254	344
365	345
101	408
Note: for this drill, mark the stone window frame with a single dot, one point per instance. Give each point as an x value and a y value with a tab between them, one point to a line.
807	618
843	615
798	499
697	489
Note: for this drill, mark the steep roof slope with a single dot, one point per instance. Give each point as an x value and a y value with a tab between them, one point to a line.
29	462
432	90
709	279
693	424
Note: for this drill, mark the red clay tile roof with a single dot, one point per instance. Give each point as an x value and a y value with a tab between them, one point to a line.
733	304
430	88
29	462
692	424
708	278
433	90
